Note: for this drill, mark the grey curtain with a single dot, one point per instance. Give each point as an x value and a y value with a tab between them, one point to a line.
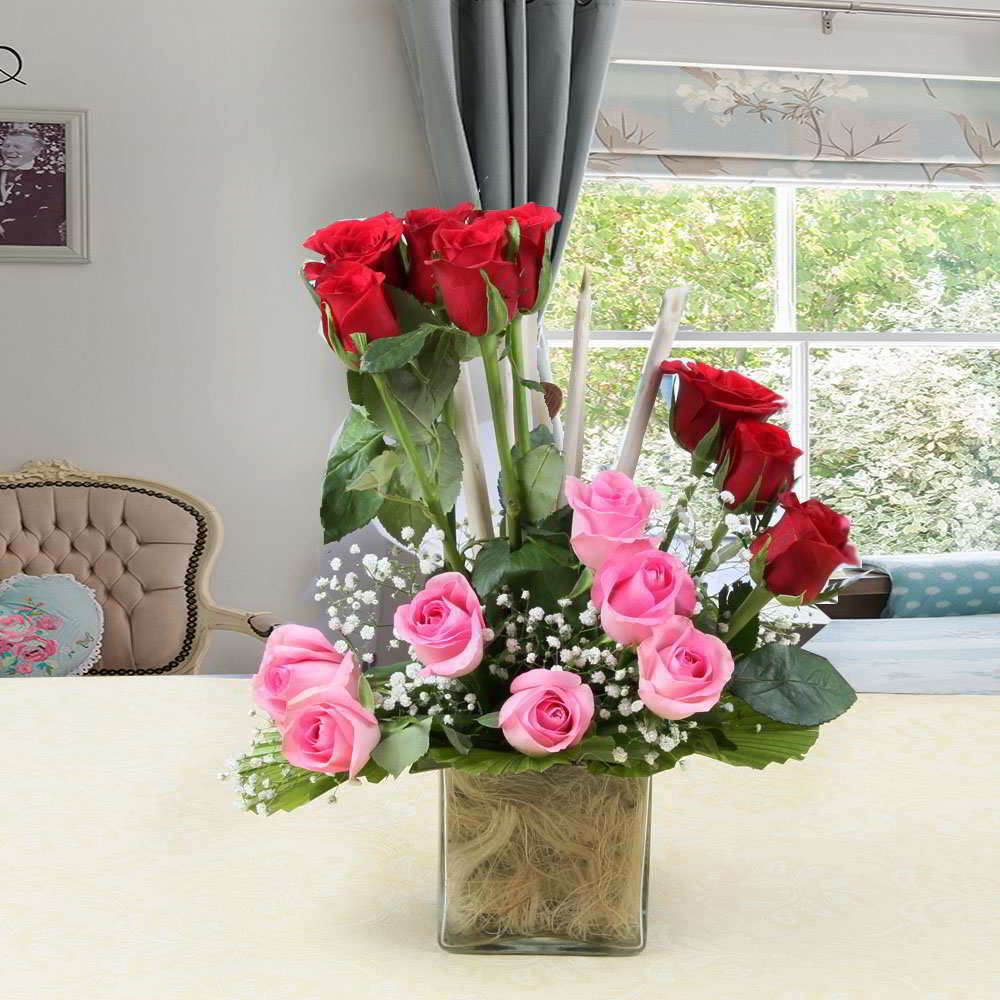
509	92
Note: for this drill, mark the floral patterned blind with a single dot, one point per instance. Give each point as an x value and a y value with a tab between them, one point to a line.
748	124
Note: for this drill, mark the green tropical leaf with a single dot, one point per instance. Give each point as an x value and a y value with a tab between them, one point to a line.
791	685
397	751
746	738
342	510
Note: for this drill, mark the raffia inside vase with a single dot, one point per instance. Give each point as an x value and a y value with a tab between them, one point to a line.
558	856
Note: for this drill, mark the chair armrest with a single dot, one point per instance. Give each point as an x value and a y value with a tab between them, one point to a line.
259	624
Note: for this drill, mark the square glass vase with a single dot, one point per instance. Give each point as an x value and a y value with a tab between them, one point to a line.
544	863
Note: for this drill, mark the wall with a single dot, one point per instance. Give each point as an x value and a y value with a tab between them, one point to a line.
221	134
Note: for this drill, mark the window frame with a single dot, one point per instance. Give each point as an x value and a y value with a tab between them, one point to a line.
785	332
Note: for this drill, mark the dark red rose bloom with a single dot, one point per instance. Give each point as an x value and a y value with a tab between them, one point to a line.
760	455
419	227
534	221
372	242
806	546
461	252
706	395
357	299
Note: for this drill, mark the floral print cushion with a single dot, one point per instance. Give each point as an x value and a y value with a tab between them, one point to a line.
50	626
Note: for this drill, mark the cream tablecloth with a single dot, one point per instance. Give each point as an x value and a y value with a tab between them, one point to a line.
869	870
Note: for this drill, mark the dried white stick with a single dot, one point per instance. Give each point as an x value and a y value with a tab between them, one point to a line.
674	300
477	497
574	423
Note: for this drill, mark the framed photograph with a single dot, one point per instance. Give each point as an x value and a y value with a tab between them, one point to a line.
43	185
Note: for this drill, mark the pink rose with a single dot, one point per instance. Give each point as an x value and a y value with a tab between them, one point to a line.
35	649
327	729
547	711
640	591
609	517
14	628
25	668
682	670
445	625
297	658
48	623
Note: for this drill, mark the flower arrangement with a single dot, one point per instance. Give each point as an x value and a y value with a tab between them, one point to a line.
588	627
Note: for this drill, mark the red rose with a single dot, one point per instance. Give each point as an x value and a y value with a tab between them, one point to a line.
806	546
419	227
461	252
371	242
534	221
760	455
357	299
706	395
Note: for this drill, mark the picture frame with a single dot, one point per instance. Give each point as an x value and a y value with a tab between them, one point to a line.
43	186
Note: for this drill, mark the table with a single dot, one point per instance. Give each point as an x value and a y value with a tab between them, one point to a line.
868	870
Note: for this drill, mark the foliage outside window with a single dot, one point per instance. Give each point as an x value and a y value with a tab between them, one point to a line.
905	438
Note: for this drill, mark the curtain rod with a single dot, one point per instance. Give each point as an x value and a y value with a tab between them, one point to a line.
830	7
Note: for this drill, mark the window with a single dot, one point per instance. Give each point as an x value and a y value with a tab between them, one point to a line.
875	311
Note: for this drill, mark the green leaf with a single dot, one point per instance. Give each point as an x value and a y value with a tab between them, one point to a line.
299	792
410	312
461	742
394	516
595	748
387	353
791	685
705	451
583	584
378	474
541	474
397	751
343	511
365	697
496	564
490	721
448	467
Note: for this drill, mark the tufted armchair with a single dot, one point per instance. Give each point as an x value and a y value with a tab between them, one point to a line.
145	549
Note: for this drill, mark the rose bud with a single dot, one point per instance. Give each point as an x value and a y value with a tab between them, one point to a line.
357	299
804	548
760	456
372	242
609	517
681	670
444	623
297	658
707	396
462	252
419	226
547	711
328	730
639	591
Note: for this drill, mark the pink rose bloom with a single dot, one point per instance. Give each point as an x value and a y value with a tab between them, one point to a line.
25	668
445	625
327	730
640	591
681	670
14	628
297	658
35	649
547	711
609	517
48	623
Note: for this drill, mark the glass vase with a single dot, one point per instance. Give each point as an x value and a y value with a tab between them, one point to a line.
544	863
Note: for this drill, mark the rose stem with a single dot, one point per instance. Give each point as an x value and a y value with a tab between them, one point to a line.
519	393
745	613
512	486
674	300
573	439
429	495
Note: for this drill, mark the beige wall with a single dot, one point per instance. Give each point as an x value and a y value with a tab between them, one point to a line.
221	134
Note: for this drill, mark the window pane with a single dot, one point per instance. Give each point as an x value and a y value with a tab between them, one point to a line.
898	260
612	375
906	441
639	239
